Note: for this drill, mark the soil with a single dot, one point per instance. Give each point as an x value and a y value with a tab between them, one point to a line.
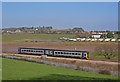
11	47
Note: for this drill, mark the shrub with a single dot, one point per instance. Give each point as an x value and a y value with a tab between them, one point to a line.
108	51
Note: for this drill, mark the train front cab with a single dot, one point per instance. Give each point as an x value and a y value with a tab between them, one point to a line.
19	50
85	55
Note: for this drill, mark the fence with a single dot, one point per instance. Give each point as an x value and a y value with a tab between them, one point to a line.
88	69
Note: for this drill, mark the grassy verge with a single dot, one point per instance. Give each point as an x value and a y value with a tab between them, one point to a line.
21	70
95	55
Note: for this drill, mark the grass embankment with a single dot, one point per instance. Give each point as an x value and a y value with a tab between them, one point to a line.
22	70
14	37
96	55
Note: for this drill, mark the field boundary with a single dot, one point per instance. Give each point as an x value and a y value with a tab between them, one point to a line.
88	69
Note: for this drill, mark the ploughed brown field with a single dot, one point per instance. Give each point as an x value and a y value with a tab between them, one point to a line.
11	47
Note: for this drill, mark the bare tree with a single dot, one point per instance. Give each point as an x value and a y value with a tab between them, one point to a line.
83	35
108	51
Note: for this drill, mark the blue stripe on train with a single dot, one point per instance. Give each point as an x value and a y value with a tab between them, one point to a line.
44	52
53	52
82	54
19	50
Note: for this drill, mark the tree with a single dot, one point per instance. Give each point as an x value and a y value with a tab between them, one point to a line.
32	27
23	27
109	35
108	51
83	35
118	32
77	30
103	36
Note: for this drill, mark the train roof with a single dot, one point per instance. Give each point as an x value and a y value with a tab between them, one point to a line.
54	49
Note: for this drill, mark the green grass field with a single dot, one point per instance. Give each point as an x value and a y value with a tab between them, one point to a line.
14	37
22	70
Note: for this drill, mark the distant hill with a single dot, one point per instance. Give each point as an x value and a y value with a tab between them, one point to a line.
59	29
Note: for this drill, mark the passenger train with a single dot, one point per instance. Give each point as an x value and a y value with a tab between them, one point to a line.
55	52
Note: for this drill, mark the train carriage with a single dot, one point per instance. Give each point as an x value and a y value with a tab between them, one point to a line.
54	52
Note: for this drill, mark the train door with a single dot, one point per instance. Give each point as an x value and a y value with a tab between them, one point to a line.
47	52
51	52
19	50
84	55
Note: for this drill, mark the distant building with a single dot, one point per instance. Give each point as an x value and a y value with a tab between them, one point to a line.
18	31
8	31
96	36
99	33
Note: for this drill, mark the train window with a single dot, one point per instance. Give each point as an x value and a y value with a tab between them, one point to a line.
85	54
62	53
75	53
58	52
55	52
72	53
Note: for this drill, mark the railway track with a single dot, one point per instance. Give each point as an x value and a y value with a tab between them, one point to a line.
63	58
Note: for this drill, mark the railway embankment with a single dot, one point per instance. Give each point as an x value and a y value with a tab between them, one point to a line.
101	67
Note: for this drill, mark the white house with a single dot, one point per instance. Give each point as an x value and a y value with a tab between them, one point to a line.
96	36
18	31
107	39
